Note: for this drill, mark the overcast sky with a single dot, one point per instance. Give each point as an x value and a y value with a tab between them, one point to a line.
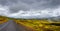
30	8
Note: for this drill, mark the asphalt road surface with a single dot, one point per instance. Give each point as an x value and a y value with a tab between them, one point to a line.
12	26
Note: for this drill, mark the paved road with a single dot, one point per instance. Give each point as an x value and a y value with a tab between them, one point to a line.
12	26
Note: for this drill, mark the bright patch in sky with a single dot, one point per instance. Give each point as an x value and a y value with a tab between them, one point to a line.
31	13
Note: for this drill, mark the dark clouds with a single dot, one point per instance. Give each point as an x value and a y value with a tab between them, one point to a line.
7	2
15	6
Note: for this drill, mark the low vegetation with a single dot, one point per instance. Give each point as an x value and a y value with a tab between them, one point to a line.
35	24
39	25
3	19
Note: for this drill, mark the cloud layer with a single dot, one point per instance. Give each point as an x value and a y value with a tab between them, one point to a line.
30	8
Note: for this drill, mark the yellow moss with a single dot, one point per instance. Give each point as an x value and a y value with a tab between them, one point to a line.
3	19
38	25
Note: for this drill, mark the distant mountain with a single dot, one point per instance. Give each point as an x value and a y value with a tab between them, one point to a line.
55	19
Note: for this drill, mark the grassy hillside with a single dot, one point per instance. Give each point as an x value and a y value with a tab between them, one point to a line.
35	24
39	25
3	19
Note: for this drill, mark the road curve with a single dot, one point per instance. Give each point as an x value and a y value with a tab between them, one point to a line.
12	26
